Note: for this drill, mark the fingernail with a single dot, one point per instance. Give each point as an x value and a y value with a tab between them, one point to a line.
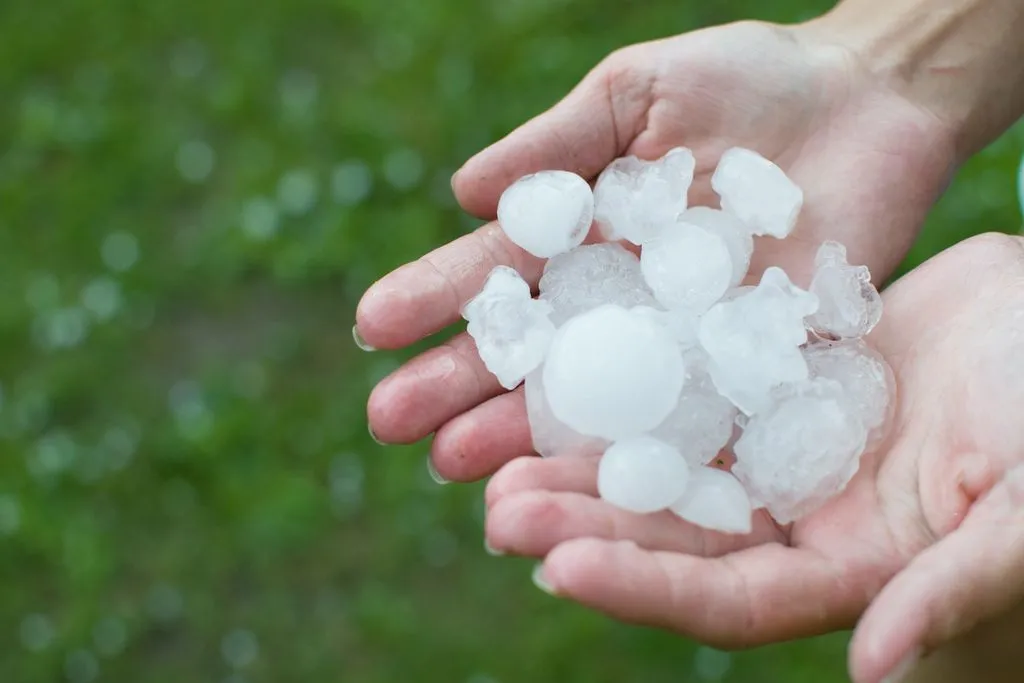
373	435
540	582
904	667
360	342
491	550
434	474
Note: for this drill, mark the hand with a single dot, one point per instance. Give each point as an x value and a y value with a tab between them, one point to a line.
870	163
930	532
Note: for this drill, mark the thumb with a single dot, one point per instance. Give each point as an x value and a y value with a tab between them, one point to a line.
972	575
583	133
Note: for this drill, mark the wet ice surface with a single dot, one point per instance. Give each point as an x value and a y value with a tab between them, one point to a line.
850	304
512	330
634	199
547	213
662	364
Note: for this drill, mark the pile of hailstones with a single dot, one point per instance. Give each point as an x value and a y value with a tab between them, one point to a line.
666	364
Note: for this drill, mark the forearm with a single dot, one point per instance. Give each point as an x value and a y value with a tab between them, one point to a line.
961	59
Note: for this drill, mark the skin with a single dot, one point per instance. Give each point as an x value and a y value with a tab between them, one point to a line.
927	541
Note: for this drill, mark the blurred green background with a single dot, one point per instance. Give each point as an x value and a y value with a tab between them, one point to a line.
193	195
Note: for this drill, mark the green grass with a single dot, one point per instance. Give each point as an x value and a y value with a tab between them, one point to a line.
192	197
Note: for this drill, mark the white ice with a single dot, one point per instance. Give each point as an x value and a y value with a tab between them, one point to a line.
642	474
512	331
592	275
850	304
796	456
702	422
612	374
682	324
757	192
734	233
715	500
551	437
547	213
868	382
753	341
634	198
687	267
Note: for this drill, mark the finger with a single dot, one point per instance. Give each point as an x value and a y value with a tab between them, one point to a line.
425	296
583	133
577	474
430	390
475	444
973	574
534	522
763	594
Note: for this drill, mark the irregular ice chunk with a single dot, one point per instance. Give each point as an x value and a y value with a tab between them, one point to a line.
612	374
686	266
850	304
634	199
733	232
715	500
757	192
680	323
551	437
702	422
547	213
592	275
642	475
803	451
511	330
868	381
753	340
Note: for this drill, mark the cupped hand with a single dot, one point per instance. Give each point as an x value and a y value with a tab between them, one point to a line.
870	163
926	542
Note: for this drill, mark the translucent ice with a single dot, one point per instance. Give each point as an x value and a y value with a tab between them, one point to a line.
753	340
591	275
736	235
757	192
702	422
680	323
612	374
801	452
634	199
868	382
511	330
715	500
642	475
687	266
547	213
551	437
850	304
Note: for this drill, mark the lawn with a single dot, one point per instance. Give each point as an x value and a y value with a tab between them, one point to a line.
193	196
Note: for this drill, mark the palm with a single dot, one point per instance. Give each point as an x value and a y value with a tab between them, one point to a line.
955	434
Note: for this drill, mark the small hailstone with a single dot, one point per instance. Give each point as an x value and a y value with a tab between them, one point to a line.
850	304
634	199
612	374
715	500
757	192
868	381
642	474
733	232
803	451
511	330
592	275
547	213
551	437
753	341
680	323
702	422
687	266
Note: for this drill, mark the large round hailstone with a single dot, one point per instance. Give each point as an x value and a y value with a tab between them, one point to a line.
547	213
687	266
715	500
612	373
642	475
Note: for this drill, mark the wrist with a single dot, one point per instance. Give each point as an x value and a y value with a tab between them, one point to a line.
960	61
